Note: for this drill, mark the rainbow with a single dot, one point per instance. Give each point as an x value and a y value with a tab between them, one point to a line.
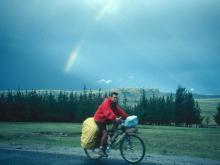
71	59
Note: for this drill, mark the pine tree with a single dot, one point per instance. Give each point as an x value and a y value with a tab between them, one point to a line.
72	106
3	108
179	105
217	115
125	100
190	110
9	106
197	119
142	108
33	104
99	98
187	111
162	111
18	107
170	109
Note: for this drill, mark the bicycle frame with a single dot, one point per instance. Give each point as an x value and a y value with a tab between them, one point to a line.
119	139
115	138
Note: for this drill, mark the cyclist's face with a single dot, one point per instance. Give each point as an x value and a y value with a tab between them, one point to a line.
114	98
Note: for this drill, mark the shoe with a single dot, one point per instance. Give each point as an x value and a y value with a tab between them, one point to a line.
102	153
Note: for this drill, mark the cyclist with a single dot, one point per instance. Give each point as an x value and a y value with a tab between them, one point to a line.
108	112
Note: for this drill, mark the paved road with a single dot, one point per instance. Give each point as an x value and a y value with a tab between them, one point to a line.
16	157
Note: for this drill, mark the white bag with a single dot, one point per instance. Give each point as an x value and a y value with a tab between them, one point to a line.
131	121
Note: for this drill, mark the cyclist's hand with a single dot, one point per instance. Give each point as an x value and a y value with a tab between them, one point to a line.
118	120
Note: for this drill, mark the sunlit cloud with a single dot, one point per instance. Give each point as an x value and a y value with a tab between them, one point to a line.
131	77
104	81
103	7
109	7
192	89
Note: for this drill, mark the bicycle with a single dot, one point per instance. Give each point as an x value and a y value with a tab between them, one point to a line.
131	146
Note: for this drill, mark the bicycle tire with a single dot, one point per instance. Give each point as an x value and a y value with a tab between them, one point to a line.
131	139
90	152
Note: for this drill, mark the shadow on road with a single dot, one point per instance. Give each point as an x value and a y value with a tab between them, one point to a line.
16	157
112	162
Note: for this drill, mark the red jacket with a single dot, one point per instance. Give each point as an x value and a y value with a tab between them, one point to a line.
108	111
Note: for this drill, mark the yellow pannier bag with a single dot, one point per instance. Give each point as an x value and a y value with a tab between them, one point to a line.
89	133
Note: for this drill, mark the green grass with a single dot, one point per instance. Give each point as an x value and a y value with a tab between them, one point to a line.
200	142
59	134
209	108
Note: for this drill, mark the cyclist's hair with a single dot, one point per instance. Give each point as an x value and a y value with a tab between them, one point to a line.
113	93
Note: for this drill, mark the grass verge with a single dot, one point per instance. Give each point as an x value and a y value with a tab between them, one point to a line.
199	142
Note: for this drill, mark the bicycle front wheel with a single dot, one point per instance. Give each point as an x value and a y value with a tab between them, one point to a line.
132	148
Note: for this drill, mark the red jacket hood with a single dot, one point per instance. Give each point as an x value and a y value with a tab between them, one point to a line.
108	111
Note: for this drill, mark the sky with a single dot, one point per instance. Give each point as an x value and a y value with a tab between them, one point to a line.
106	44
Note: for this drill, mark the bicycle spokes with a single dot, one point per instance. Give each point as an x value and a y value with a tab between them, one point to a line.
132	148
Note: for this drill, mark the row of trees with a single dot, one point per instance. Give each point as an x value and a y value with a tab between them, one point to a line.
180	108
160	110
49	106
217	115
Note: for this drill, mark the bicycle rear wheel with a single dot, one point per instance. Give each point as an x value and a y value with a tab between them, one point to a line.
92	153
132	148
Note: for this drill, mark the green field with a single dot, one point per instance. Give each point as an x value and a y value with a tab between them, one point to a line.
209	108
199	142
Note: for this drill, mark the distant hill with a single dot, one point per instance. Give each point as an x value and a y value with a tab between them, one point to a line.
133	95
207	96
